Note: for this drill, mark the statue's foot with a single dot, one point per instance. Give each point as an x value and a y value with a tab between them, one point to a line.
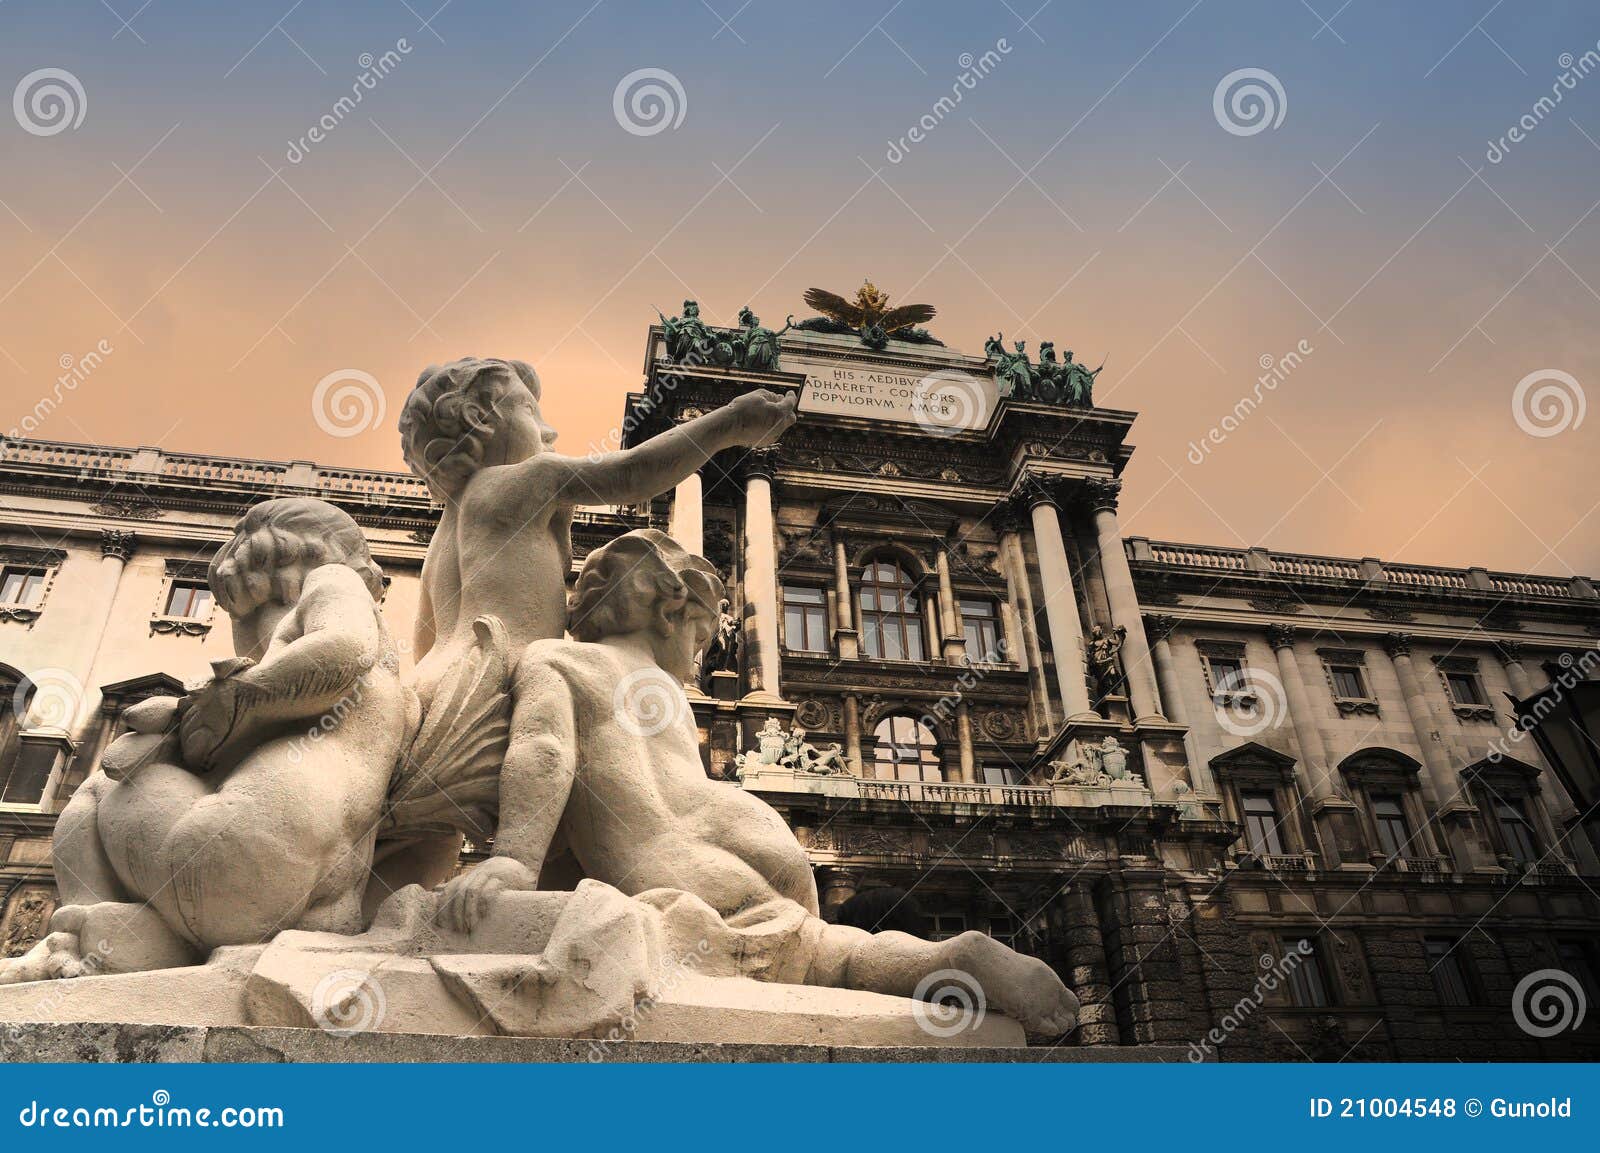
1023	988
56	956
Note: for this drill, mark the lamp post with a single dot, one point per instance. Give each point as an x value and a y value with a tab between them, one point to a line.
1564	721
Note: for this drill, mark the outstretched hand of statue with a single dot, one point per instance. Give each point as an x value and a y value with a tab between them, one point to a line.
209	718
761	417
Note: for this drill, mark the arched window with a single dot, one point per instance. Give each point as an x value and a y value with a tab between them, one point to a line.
906	750
891	617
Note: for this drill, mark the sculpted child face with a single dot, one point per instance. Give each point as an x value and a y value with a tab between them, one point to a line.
682	636
468	415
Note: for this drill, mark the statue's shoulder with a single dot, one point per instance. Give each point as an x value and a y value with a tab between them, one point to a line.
333	581
579	663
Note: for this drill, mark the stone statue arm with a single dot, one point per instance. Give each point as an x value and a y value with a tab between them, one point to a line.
535	781
339	641
423	633
636	474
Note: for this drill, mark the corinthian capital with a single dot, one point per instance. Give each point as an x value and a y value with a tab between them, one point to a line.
1100	493
116	542
1397	644
1281	636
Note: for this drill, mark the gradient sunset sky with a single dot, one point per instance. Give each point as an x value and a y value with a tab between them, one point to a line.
484	197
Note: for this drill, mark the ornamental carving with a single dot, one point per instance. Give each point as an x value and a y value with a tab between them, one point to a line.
128	508
1392	613
815	714
802	544
1000	724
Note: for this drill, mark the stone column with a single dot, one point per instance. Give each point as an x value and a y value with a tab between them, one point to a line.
955	641
687	524
845	637
1338	827
836	885
760	575
1060	602
852	733
1442	793
1019	593
63	708
1158	628
1118	578
1087	974
928	595
969	773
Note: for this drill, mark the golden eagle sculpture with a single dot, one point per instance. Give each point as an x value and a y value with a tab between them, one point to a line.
868	316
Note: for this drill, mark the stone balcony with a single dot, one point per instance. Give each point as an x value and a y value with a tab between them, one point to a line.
1117	794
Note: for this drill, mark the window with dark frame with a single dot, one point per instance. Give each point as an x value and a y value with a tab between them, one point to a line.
905	750
980	625
1394	831
1348	683
1260	810
943	926
190	599
1227	676
805	618
1577	958
22	586
1449	975
891	613
1308	984
1465	688
1516	830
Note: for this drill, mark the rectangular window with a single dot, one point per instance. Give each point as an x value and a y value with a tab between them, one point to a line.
21	586
1003	928
1308	985
1227	676
1261	822
1449	976
23	781
805	619
980	626
1394	833
188	599
1348	683
943	926
1517	831
1465	688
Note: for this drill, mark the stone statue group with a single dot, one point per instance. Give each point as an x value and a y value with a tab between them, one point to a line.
314	786
1051	381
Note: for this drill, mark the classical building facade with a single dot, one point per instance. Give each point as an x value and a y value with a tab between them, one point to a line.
1265	805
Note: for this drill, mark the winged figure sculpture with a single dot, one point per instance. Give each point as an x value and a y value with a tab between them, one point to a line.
868	316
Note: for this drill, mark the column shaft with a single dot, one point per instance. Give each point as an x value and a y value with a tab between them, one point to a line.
1136	666
761	586
969	773
687	524
1020	591
852	733
1061	612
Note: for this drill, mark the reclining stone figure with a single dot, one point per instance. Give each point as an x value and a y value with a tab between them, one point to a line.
604	756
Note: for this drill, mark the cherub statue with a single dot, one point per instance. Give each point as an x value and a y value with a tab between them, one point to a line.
640	814
472	430
249	805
